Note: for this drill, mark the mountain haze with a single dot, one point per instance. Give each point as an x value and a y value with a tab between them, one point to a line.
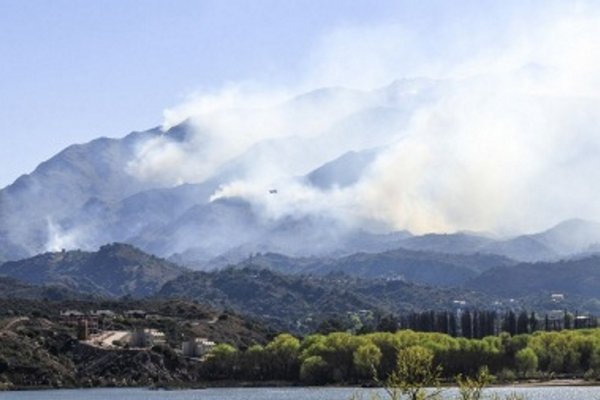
328	173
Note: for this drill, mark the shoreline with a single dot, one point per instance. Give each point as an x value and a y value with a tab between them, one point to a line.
284	384
551	383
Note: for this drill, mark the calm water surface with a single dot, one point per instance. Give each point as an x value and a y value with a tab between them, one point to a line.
547	393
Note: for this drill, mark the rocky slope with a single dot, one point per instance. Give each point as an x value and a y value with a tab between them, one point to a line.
36	350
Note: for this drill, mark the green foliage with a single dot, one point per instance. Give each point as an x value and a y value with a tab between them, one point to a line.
561	352
366	360
472	388
222	351
591	375
415	372
405	358
283	355
222	361
254	363
526	361
594	359
303	304
314	370
506	376
469	388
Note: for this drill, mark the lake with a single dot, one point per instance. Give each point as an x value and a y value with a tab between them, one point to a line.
541	393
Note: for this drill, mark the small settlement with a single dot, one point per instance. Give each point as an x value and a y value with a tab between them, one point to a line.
97	328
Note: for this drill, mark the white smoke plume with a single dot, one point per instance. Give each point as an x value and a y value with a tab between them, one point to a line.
495	129
60	239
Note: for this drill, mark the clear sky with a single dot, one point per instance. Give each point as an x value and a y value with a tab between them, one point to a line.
74	70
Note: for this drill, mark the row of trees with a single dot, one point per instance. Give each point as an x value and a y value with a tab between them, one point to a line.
478	324
346	358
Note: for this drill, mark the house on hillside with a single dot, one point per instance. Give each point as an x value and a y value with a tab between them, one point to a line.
75	318
197	347
557	297
142	338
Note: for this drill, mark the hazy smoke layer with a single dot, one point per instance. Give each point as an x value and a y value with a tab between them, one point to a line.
493	125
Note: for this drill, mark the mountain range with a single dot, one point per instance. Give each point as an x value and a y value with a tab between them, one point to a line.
420	267
296	301
297	294
118	190
262	226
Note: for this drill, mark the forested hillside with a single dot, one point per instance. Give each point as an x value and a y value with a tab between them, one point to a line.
114	270
578	277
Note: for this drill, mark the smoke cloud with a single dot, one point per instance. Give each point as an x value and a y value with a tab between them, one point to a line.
477	125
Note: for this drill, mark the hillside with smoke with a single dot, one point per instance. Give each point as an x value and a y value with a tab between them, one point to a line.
430	129
499	135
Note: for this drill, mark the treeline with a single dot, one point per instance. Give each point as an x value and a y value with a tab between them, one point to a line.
476	324
347	358
472	324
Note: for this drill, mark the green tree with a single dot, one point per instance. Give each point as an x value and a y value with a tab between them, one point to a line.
415	372
313	371
472	388
221	361
526	361
283	352
388	323
366	360
254	363
594	362
338	351
523	323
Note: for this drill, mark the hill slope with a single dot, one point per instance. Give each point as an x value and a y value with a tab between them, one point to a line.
428	268
114	270
298	303
573	277
13	289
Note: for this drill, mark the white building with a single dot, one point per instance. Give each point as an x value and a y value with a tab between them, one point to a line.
557	297
197	347
146	338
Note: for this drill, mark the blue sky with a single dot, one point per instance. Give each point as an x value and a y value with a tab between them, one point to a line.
74	70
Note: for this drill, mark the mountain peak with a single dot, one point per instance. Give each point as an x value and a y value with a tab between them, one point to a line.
571	236
575	223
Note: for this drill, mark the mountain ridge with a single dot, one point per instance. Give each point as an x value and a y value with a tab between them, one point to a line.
99	192
114	270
